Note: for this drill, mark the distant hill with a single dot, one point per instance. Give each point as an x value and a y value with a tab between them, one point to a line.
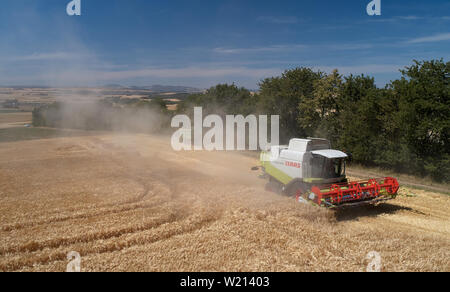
163	88
114	86
157	88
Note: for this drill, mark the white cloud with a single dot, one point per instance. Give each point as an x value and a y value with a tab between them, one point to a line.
53	56
268	49
186	73
410	18
87	77
295	47
431	39
396	18
279	20
201	75
350	47
363	69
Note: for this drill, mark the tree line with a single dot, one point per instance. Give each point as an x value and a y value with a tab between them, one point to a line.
404	126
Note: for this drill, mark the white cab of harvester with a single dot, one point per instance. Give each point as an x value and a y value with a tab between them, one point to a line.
306	158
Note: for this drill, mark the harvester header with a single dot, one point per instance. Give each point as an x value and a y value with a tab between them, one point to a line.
354	193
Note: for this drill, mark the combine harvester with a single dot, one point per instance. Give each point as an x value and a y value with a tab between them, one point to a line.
310	171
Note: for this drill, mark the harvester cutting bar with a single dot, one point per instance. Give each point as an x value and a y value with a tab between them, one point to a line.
373	190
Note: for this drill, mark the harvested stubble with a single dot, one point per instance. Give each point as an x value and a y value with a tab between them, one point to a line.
129	203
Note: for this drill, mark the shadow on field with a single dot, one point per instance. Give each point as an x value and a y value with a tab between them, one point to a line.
348	214
24	134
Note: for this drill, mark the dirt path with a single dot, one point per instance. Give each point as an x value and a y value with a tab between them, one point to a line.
130	203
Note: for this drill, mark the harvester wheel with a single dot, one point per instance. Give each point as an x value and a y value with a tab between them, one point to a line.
296	189
274	186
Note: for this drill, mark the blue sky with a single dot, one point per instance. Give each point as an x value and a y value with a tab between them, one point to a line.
202	43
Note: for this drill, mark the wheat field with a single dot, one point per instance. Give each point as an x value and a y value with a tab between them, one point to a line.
130	203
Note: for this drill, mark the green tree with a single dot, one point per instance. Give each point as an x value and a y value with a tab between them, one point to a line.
222	99
358	118
423	95
318	115
282	96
